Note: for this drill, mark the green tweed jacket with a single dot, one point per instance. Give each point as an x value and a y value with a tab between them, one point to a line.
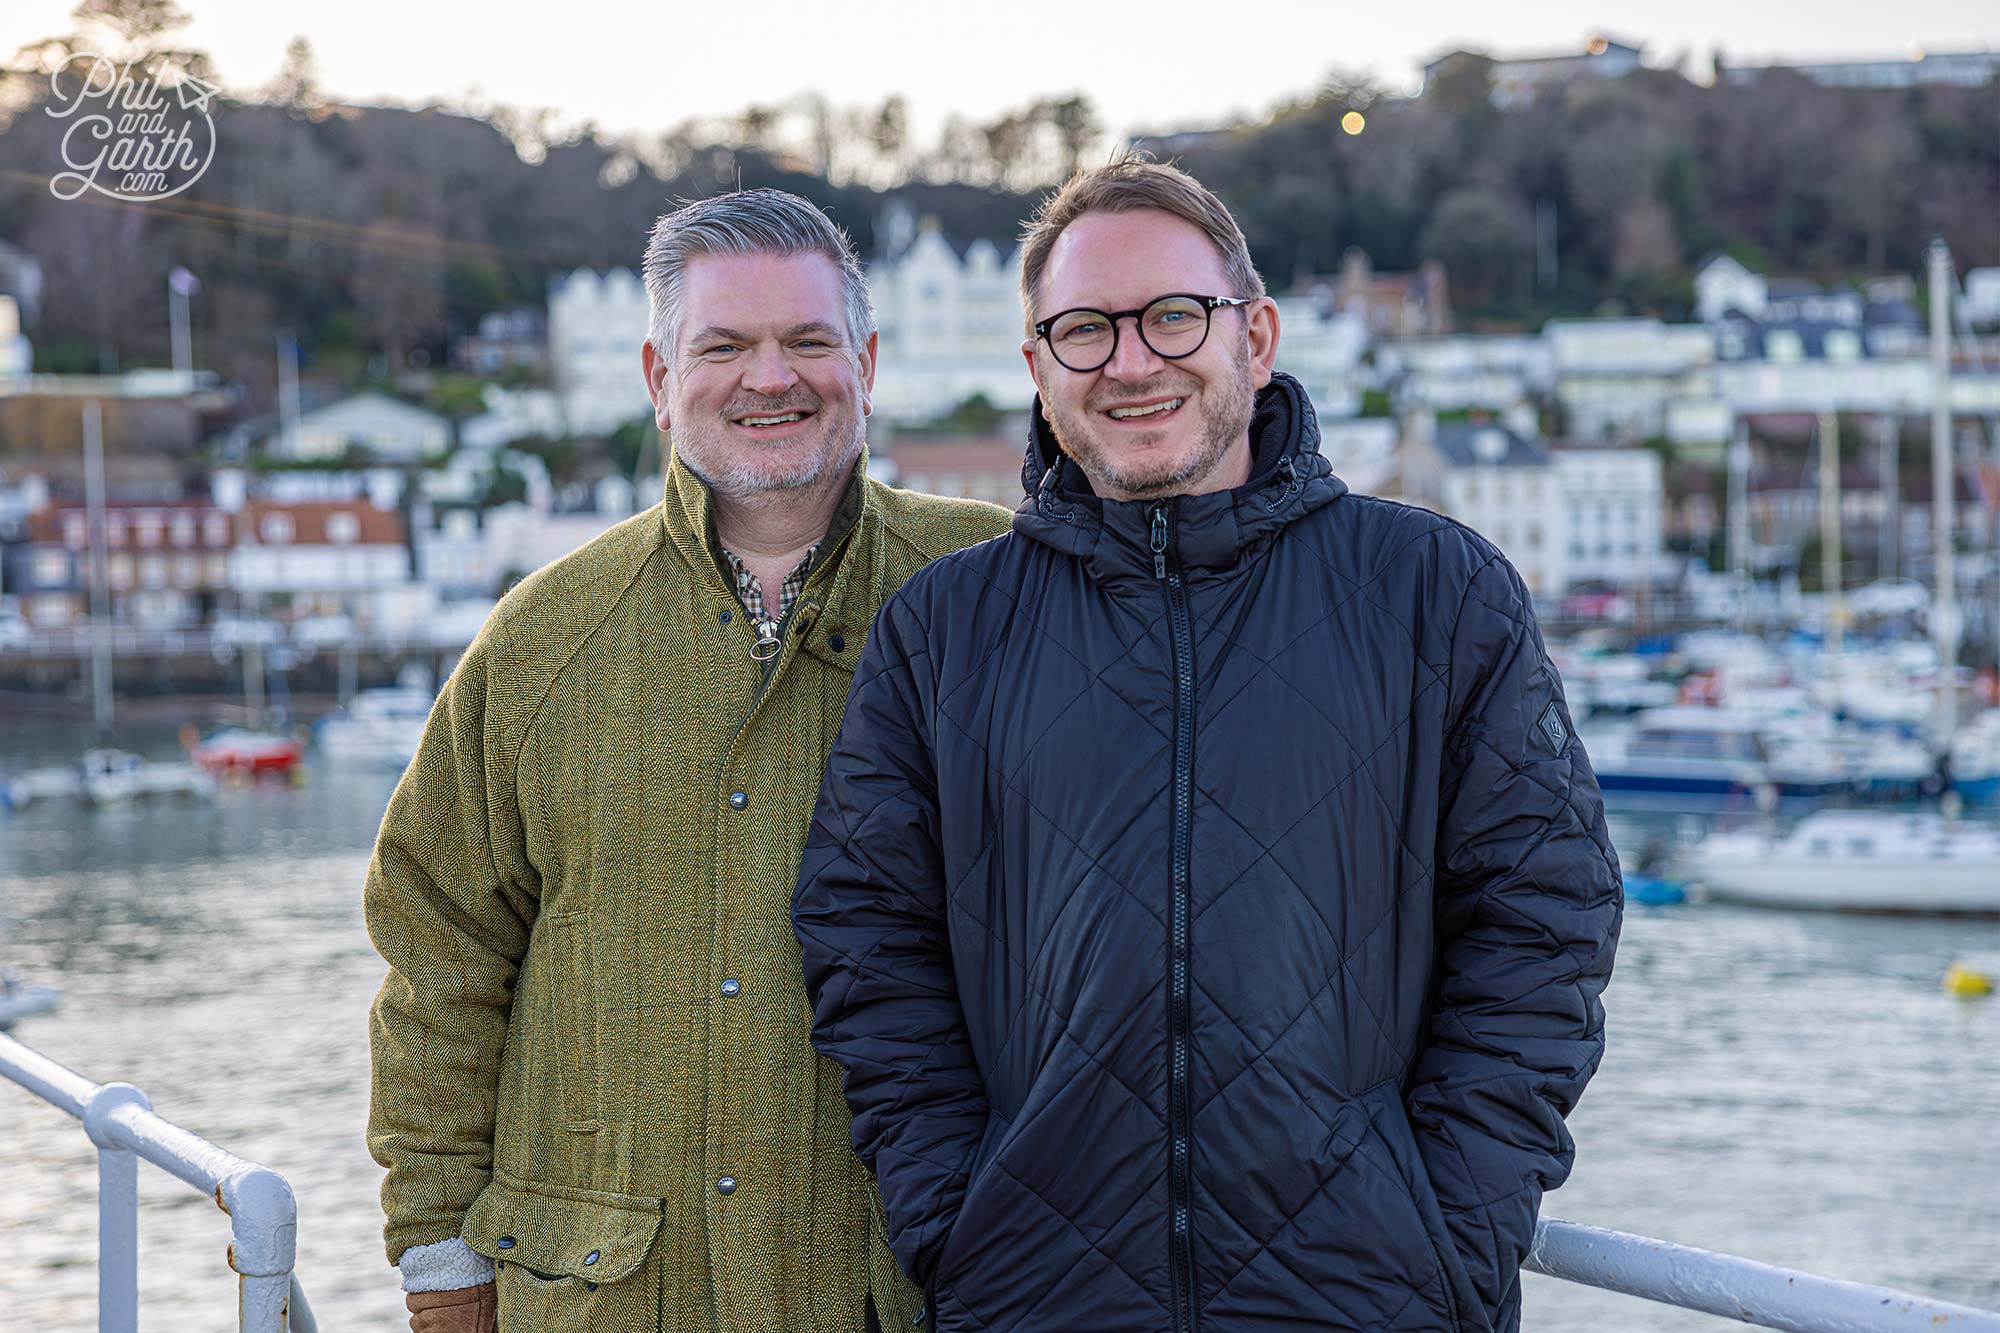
590	1052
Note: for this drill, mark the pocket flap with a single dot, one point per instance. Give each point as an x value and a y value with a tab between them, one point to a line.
559	1231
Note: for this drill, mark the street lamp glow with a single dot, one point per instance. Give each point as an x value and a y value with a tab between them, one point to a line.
1354	122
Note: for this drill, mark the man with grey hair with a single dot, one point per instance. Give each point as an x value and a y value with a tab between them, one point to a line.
593	1088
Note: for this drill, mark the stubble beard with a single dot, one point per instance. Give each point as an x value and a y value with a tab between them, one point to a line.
1228	404
739	473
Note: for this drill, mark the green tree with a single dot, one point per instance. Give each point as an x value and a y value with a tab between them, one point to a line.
1481	238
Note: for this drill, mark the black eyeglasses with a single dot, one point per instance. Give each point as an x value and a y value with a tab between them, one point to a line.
1173	326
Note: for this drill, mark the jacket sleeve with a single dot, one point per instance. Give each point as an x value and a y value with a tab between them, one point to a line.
446	908
871	918
1528	904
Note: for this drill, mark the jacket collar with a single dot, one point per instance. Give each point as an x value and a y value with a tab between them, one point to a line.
1288	479
837	590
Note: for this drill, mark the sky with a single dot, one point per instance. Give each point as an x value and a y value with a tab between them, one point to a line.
1161	64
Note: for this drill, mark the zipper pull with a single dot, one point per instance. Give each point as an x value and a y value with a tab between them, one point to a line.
1159	541
767	644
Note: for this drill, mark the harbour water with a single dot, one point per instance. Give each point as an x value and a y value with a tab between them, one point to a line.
1794	1088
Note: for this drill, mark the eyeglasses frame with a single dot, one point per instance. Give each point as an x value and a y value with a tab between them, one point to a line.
1210	304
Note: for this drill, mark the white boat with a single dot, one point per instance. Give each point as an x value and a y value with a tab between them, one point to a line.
1714	754
379	728
1975	760
105	776
1858	861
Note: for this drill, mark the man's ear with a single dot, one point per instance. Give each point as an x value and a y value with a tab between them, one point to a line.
1262	321
655	368
865	368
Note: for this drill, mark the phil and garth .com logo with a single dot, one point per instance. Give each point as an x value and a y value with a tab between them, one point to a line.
128	138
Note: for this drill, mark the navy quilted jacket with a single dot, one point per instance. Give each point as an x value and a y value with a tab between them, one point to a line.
1209	905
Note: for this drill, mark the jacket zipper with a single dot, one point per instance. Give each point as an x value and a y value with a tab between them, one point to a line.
1180	1246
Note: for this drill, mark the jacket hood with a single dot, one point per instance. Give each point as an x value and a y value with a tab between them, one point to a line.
1288	479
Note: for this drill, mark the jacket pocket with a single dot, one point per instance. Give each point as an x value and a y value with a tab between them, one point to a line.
567	1017
552	1233
1392	1123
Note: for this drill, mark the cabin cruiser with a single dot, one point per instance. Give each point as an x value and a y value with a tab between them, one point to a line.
1714	754
1858	861
378	729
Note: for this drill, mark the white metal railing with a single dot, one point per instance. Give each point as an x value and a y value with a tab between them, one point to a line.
263	1217
1737	1288
264	1224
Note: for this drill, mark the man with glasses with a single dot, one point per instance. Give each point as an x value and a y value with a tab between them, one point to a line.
1207	897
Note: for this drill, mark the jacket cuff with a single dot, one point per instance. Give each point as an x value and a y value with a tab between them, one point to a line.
448	1265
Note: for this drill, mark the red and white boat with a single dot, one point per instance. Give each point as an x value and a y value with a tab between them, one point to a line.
248	753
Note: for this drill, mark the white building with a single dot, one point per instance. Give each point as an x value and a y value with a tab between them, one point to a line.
1612	501
1621	377
1966	69
510	415
520	539
17	358
1362	451
1982	295
452	554
597	324
1500	483
388	428
327	556
1722	284
1323	349
1520	78
949	324
1468	370
1870	384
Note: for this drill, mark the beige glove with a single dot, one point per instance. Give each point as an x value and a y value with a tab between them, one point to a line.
467	1310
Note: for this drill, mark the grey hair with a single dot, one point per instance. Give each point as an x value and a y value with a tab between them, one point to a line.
747	222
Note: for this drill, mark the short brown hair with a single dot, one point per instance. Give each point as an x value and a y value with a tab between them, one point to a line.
1125	184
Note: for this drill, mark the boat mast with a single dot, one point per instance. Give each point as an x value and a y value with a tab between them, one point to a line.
100	591
1944	605
1739	521
1829	541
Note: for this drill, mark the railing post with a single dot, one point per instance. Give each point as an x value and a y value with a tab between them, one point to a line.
263	1224
117	1210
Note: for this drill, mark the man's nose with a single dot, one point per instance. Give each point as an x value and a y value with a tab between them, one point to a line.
1131	359
768	372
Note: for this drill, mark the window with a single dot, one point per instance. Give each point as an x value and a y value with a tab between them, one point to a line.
182	530
342	529
276	529
215	530
75	531
51	568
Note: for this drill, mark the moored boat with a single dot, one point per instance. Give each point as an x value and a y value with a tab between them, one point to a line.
241	753
1712	754
379	728
1858	861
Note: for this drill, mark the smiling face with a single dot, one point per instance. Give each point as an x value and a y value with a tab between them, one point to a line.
1143	426
764	389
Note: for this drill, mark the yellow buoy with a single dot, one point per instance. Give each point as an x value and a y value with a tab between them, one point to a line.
1962	980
